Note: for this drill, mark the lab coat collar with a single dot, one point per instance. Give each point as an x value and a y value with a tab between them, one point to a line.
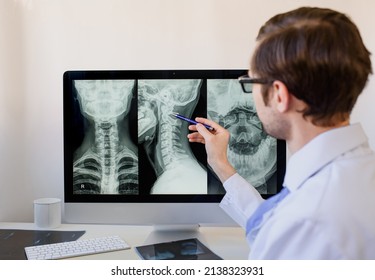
320	151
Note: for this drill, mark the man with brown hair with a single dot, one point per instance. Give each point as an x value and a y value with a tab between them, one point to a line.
308	69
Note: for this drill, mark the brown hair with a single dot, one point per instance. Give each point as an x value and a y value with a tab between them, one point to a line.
319	55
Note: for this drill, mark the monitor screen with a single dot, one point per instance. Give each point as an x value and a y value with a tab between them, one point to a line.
124	144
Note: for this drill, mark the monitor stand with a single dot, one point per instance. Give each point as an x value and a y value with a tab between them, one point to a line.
167	233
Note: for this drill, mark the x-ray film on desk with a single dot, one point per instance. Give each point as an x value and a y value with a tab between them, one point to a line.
187	249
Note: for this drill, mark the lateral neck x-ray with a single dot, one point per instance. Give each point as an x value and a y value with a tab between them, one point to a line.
164	137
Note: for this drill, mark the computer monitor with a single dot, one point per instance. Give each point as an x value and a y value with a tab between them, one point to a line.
127	159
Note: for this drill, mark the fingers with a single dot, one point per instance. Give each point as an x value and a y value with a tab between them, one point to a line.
201	134
213	124
196	137
203	131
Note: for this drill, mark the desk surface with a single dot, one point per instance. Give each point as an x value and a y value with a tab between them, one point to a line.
227	242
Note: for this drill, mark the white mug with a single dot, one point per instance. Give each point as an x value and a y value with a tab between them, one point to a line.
47	212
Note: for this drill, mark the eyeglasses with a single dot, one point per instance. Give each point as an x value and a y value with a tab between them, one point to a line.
247	83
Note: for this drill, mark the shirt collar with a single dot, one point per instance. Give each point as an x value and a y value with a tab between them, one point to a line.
320	151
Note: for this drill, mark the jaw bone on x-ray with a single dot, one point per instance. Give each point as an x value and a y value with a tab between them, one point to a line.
107	161
164	137
251	151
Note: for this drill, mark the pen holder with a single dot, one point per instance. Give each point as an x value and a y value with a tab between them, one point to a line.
47	213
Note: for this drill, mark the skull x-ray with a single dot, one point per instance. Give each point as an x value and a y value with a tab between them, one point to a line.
106	161
163	137
251	151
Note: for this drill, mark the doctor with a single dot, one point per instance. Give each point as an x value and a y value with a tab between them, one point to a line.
308	69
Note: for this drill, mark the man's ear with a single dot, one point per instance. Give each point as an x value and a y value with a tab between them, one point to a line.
281	96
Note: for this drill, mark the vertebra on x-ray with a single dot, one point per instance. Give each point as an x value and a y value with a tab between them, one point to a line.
107	161
164	137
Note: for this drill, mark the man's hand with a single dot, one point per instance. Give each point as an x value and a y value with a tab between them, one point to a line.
216	142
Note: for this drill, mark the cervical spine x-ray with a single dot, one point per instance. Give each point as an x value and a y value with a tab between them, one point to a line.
130	143
107	161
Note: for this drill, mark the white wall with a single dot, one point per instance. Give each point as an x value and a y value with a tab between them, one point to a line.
40	39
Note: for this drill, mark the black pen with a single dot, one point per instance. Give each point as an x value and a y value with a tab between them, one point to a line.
177	115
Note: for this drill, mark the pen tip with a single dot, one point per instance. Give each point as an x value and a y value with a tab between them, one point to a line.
174	114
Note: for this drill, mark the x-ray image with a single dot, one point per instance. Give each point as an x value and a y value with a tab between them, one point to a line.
186	249
163	136
251	151
106	161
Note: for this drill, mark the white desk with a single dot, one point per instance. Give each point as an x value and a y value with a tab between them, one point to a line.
227	242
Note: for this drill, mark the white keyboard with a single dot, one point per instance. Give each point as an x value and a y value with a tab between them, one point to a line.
75	248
